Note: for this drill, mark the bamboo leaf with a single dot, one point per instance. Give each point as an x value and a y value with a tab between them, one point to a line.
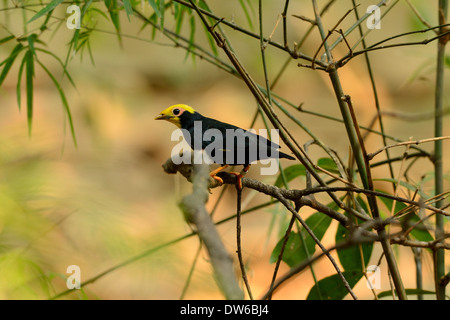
61	63
161	10
31	39
212	43
29	73
19	84
63	99
113	10
191	46
155	7
8	62
247	14
43	27
179	14
6	39
52	5
128	8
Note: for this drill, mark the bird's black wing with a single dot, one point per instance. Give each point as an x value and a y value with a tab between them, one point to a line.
229	144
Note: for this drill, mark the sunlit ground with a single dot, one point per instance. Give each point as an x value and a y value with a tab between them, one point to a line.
107	200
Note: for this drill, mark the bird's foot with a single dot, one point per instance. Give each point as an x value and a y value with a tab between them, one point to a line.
239	177
218	179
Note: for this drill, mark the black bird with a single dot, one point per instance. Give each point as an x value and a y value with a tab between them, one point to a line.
224	143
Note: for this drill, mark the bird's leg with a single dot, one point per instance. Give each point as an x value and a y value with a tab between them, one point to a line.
216	171
240	175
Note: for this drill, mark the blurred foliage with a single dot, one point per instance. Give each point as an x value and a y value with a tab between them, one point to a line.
100	197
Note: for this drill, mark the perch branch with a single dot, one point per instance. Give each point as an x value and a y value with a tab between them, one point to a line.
193	206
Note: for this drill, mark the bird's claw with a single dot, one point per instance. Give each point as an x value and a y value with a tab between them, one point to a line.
239	177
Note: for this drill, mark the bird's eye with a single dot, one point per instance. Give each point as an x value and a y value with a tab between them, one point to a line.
176	112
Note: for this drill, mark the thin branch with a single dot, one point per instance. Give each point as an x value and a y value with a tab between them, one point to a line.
378	46
292	53
329	33
435	244
286	203
238	243
416	142
280	256
283	15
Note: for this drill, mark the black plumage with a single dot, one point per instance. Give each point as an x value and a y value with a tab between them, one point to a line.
235	146
224	143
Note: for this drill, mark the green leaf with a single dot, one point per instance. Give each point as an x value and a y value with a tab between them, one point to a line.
332	287
128	8
291	173
389	202
8	62
179	14
300	247
155	7
212	43
161	10
31	39
191	44
19	83
6	39
29	73
60	62
113	10
63	99
328	164
350	258
52	5
247	14
43	26
388	293
293	252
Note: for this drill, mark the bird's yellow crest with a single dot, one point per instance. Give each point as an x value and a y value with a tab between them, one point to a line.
173	113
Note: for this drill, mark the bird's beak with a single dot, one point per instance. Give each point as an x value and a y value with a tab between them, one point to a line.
164	117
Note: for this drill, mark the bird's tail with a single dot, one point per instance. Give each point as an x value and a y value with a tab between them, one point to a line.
284	155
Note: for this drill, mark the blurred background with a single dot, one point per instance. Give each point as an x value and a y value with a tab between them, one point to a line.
107	200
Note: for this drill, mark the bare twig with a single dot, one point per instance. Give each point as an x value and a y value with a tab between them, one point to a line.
415	142
238	243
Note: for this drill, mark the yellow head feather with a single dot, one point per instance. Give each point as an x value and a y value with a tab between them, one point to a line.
172	113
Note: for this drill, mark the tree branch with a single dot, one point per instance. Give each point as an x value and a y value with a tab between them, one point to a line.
193	207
